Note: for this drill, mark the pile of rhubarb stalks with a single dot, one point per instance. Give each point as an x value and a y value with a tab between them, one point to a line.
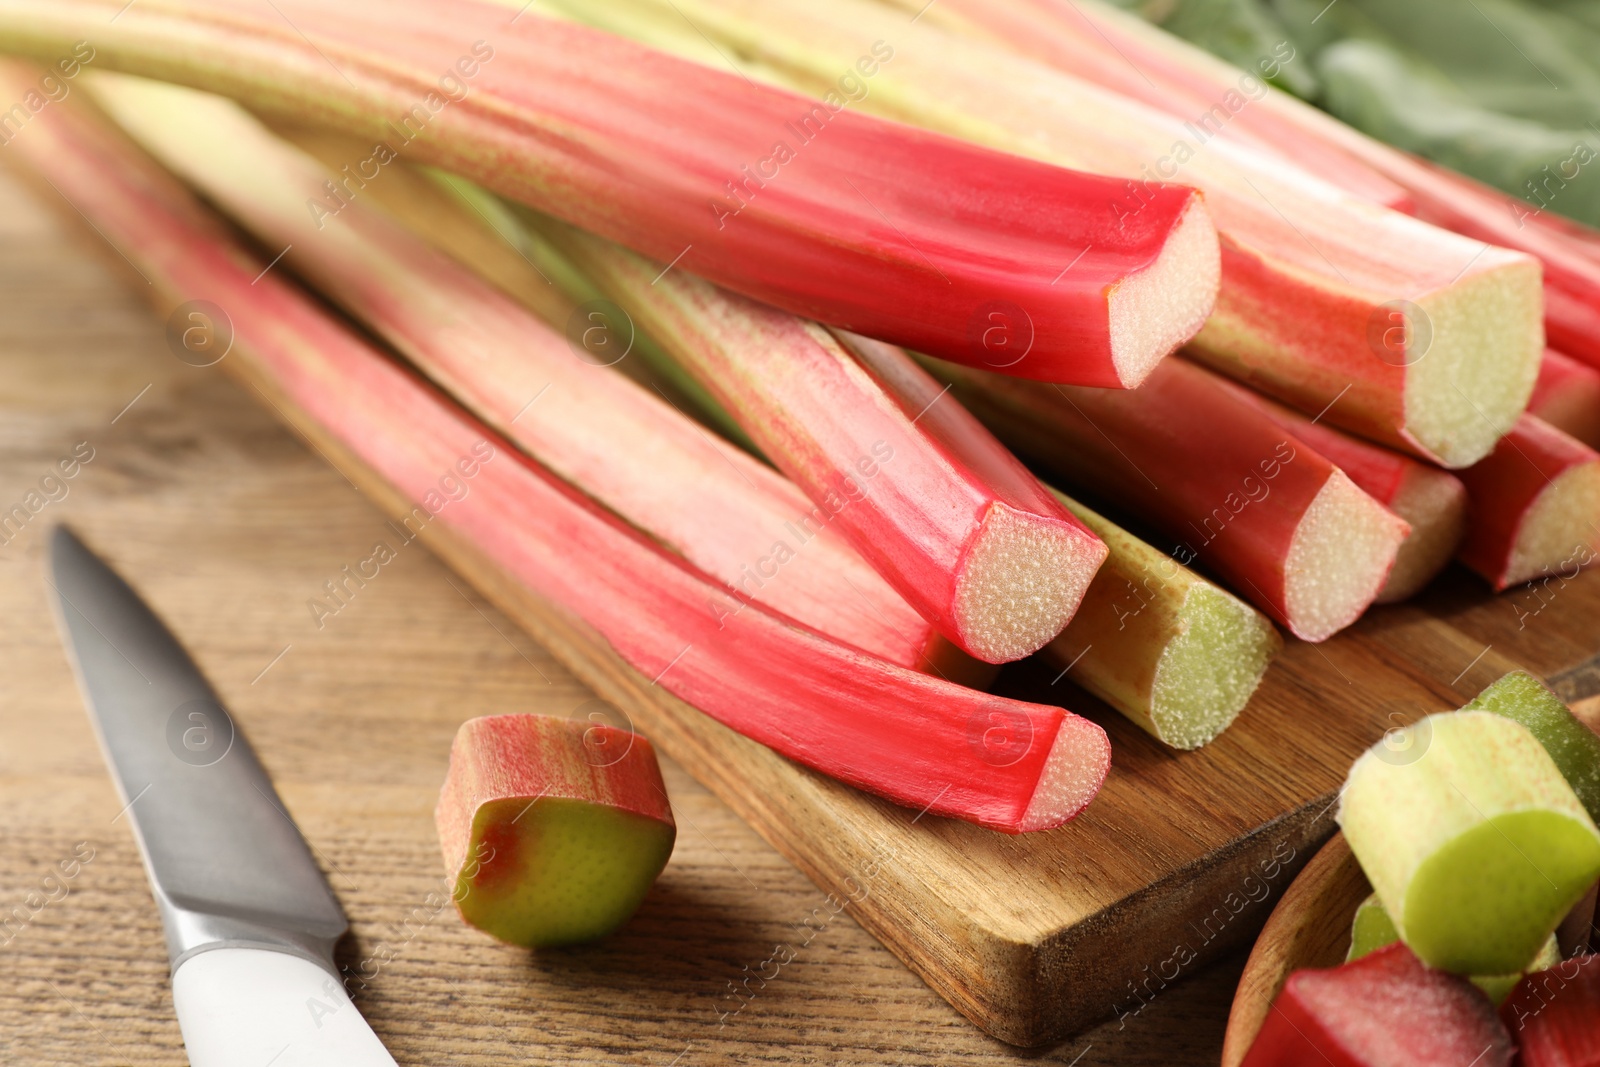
742	332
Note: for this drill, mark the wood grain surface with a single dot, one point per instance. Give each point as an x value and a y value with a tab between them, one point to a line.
229	526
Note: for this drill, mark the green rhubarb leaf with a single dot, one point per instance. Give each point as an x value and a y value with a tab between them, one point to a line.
1574	747
1474	841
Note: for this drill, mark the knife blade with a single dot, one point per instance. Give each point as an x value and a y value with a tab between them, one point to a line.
250	921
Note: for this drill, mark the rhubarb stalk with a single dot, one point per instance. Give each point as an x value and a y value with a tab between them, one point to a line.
1433	339
749	527
1175	653
699	168
907	737
1433	502
955	523
1567	396
1283	526
1533	507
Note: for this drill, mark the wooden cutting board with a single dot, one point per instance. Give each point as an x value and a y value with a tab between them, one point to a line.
1031	937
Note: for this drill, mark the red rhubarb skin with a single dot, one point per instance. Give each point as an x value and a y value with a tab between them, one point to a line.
911	498
1554	1015
1173	452
592	426
1567	396
1503	487
909	738
514	757
639	146
1384	1010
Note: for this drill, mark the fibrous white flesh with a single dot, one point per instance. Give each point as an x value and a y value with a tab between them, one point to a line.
1159	308
1465	390
1021	581
1340	556
1069	780
1435	504
1558	526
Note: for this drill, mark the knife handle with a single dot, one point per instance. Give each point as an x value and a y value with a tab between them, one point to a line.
245	1007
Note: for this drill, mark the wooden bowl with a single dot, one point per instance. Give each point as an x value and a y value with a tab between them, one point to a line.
1310	927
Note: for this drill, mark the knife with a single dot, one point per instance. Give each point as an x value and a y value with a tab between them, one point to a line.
250	921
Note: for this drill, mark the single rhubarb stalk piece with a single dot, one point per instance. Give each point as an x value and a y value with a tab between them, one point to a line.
1533	506
1385	1009
553	830
748	527
1433	339
954	522
1175	653
1433	502
1522	698
1284	527
904	736
1472	839
701	168
1567	396
1552	1015
1372	930
1101	44
1575	935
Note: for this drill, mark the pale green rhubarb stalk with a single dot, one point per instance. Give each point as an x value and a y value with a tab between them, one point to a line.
1473	840
1177	654
553	830
829	706
722	510
728	178
1433	339
967	535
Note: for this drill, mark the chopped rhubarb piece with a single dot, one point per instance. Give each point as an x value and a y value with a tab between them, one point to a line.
1575	748
1567	396
914	740
1385	1009
1177	654
1436	337
1235	492
1554	1015
1432	501
823	211
1472	839
552	829
1533	506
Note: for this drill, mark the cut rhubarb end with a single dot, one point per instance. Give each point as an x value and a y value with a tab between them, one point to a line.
552	829
1342	552
1553	1015
1155	310
1466	388
1434	504
1073	773
1384	1010
1207	673
1021	581
1559	525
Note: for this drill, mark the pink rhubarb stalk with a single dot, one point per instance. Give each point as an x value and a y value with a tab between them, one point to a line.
1433	502
1534	506
1283	526
912	739
1567	396
727	513
814	208
1433	338
955	523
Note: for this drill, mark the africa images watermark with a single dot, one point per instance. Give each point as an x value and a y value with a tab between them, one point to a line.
52	88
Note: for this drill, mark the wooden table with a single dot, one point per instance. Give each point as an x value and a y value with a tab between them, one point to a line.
229	526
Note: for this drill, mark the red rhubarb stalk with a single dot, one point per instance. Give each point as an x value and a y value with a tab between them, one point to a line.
1433	338
700	168
1567	396
1433	502
1533	506
955	523
1554	1015
748	526
1283	526
913	739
